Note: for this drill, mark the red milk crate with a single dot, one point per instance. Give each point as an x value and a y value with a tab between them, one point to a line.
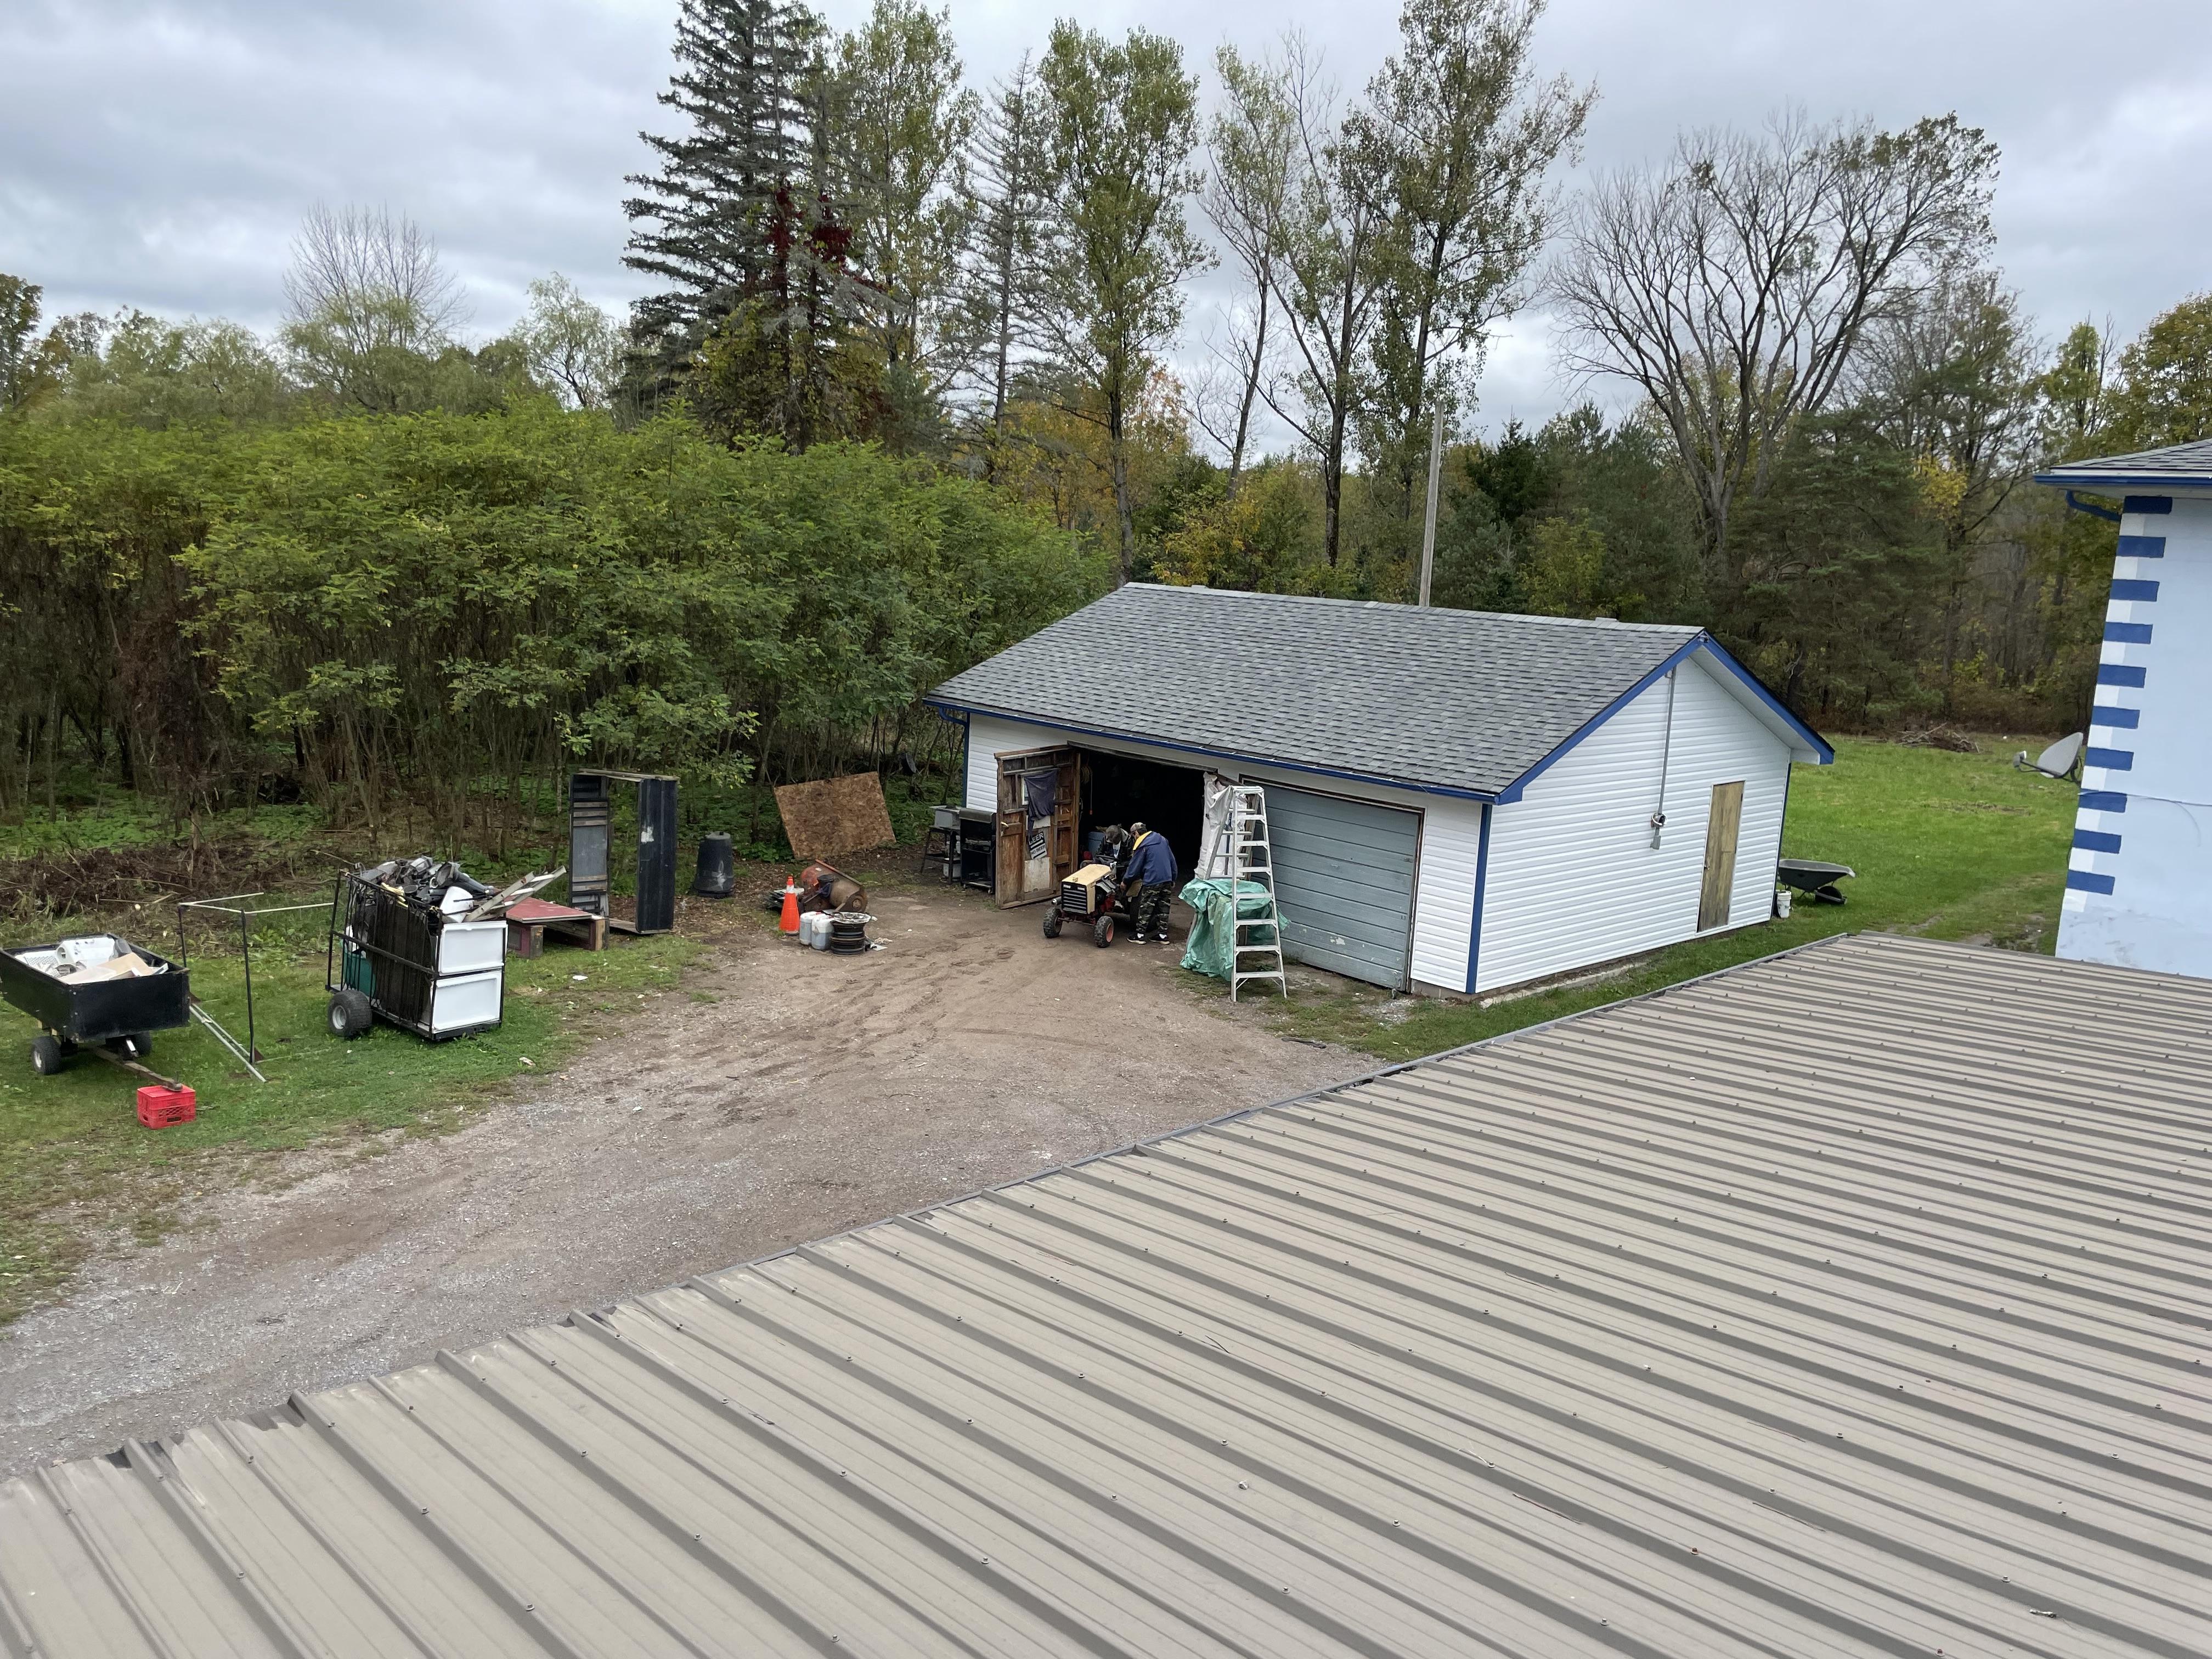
159	1106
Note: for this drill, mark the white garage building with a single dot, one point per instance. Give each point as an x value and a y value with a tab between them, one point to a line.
1459	801
2136	888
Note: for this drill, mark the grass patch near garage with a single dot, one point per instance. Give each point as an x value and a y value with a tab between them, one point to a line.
1946	845
77	1167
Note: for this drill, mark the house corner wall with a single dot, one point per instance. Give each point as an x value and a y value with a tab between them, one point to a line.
1573	876
2136	892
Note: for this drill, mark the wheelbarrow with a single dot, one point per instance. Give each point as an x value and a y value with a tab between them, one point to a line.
1815	879
98	991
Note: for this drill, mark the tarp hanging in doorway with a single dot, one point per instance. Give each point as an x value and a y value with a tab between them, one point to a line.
1214	853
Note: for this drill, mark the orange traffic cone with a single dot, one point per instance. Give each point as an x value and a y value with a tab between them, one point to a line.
790	923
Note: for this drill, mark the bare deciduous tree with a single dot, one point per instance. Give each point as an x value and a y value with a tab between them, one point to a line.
1730	287
368	294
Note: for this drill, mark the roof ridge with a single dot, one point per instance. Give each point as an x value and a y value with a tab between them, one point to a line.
1683	628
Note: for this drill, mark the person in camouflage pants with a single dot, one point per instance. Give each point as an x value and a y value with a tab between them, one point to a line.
1151	874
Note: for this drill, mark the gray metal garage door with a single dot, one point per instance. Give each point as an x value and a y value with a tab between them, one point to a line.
1344	877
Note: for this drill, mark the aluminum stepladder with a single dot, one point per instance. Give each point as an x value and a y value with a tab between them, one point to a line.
1245	849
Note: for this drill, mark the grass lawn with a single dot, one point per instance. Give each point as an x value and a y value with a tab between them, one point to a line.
75	1164
1948	846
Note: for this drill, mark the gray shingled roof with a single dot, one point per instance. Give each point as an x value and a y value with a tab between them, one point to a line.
1458	700
2180	464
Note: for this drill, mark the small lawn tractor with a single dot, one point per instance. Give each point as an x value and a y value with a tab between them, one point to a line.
1094	896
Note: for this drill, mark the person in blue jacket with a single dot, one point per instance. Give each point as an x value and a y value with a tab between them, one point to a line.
1151	876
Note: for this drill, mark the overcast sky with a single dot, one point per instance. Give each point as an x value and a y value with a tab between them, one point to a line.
161	156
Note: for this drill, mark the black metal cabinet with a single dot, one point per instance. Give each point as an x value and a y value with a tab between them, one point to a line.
593	860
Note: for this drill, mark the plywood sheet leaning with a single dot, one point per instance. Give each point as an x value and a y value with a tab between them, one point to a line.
835	815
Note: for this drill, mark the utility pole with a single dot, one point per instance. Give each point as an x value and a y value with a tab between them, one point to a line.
1429	526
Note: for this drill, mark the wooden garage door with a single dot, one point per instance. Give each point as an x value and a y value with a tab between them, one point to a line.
1344	877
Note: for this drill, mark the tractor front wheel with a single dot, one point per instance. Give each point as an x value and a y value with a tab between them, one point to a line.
1051	922
1102	932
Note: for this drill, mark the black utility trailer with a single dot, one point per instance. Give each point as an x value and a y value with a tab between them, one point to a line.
117	1014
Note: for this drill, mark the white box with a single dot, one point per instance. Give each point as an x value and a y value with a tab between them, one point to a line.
462	1002
465	947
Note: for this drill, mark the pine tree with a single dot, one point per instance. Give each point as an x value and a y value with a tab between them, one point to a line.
742	219
709	220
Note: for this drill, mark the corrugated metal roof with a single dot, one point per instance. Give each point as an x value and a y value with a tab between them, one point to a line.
2179	464
1475	700
1852	1302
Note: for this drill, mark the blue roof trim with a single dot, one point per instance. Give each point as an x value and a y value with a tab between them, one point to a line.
1213	754
2091	508
2147	504
1481	892
2159	481
1704	642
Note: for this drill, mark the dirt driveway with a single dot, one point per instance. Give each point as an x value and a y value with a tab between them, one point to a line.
814	1092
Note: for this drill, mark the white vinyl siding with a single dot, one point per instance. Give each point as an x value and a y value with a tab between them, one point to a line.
1573	878
1451	830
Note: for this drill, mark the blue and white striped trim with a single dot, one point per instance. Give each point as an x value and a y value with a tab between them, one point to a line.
2123	673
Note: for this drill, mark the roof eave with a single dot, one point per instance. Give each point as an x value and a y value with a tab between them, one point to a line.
2162	483
1455	792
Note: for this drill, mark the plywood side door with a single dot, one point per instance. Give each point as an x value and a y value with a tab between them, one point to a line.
1722	824
1022	879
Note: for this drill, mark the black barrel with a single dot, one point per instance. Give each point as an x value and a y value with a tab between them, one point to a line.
717	868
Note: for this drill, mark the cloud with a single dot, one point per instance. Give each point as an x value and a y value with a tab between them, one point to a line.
162	155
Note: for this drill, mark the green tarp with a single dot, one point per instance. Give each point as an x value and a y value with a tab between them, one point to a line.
1212	942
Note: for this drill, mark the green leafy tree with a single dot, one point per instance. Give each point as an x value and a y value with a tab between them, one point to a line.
1948	380
1121	125
904	128
1328	275
1563	571
19	325
2165	390
1001	301
570	344
1253	140
1467	138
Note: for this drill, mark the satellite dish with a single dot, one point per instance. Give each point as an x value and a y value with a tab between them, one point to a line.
2059	761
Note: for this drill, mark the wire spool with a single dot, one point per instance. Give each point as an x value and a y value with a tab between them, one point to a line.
848	931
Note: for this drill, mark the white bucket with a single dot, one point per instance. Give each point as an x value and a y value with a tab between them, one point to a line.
1781	903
